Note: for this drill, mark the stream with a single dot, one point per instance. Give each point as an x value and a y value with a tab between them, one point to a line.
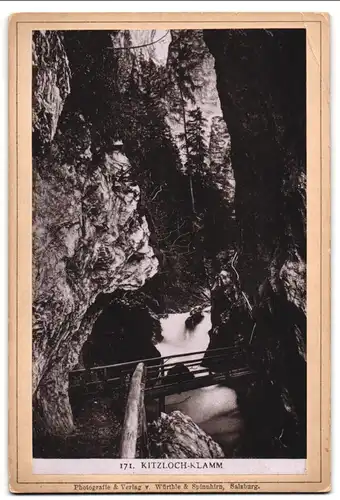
213	408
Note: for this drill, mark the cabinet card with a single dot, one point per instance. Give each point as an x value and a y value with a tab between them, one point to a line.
169	253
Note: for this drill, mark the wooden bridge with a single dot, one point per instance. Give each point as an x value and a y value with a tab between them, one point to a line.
204	368
154	379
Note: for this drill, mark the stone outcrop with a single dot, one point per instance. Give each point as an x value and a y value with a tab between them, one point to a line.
231	317
51	83
177	373
89	239
175	435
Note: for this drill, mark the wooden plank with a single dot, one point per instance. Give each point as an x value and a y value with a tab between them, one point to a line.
204	381
131	420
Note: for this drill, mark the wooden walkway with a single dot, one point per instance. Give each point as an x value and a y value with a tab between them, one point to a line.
224	364
153	379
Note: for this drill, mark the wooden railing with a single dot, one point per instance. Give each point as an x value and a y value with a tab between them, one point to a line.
135	424
148	381
215	366
228	361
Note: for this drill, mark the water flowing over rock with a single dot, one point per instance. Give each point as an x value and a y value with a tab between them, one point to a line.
175	435
89	240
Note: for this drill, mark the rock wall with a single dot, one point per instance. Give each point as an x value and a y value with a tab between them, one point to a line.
205	96
261	84
261	81
88	236
220	160
199	67
51	84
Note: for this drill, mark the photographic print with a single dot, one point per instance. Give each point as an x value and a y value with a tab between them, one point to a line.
160	180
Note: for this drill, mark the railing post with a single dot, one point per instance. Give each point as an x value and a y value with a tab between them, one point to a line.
131	419
161	397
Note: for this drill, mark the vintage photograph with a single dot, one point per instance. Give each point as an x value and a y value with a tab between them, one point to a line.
169	243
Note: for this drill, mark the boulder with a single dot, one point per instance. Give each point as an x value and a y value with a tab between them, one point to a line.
175	435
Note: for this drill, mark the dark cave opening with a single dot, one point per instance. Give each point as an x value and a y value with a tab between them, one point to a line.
123	332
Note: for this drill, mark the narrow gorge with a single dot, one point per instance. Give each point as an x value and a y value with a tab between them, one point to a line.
169	184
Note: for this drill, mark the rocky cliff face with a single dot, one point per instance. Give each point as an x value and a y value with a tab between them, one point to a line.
262	90
51	84
175	435
200	67
88	236
220	160
264	109
205	96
